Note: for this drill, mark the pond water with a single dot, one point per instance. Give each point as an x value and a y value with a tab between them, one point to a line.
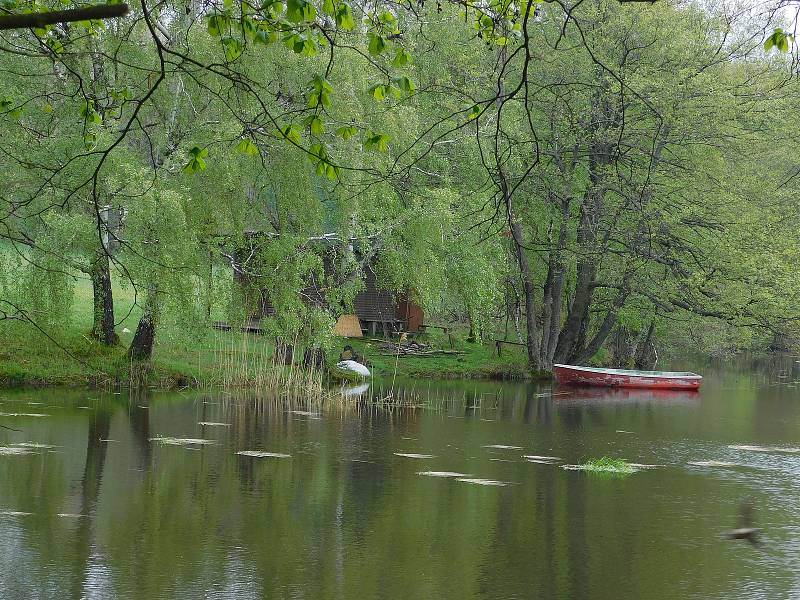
94	505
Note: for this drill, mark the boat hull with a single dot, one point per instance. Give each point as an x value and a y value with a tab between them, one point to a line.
618	378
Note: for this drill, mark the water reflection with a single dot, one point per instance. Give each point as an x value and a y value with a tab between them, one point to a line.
347	516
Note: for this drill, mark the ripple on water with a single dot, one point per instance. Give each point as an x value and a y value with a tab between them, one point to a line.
7	414
32	445
262	454
540	459
12	451
442	474
412	455
713	463
766	449
173	441
478	481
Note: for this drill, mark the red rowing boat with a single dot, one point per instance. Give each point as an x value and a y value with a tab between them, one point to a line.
660	380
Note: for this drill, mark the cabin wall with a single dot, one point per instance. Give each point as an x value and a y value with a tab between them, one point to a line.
371	305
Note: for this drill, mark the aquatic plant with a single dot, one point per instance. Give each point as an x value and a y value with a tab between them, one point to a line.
606	465
246	364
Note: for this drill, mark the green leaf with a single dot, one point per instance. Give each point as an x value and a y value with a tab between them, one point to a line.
328	8
347	132
248	147
376	141
265	37
196	162
474	113
55	45
309	47
387	17
315	123
501	41
217	25
296	10
378	92
249	28
344	17
291	133
321	84
90	115
376	43
90	140
402	58
405	84
779	39
233	48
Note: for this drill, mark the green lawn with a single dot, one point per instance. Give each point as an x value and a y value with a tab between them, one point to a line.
477	360
205	356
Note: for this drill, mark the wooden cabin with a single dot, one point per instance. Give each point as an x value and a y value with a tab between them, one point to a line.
379	311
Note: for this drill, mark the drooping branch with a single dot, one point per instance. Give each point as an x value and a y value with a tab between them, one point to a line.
31	20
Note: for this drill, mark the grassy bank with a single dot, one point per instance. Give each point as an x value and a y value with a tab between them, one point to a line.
476	361
205	357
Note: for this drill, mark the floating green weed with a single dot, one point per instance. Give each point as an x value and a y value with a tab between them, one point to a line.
611	467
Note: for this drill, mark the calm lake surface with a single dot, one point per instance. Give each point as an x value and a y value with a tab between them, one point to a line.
107	512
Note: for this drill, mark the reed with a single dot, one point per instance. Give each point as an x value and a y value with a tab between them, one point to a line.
245	364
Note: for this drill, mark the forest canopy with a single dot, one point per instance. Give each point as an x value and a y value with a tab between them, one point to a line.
566	173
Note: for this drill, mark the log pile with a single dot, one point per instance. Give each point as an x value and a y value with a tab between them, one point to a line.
413	348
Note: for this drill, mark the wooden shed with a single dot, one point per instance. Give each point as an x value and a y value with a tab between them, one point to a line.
379	311
382	311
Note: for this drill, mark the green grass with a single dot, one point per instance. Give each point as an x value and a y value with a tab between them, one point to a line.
197	358
479	361
27	357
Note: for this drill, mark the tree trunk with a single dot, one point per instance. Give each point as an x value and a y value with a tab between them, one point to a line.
528	288
585	352
554	297
141	348
645	352
103	300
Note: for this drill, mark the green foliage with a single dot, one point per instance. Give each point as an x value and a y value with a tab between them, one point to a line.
779	39
376	141
248	147
367	157
197	161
